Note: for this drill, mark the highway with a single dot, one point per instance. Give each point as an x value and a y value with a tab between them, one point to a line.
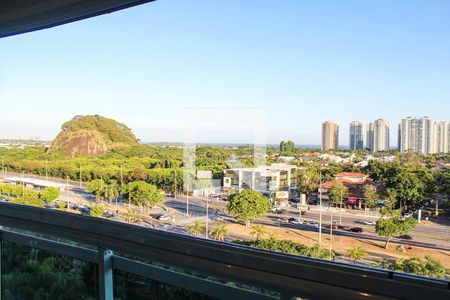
432	235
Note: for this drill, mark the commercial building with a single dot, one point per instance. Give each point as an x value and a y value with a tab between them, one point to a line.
330	136
356	135
264	179
424	135
378	135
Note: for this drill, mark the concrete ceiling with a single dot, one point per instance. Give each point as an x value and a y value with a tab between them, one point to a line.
20	16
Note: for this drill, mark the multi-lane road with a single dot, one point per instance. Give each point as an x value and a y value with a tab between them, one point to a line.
432	235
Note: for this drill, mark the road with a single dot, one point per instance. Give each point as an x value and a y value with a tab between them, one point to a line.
431	235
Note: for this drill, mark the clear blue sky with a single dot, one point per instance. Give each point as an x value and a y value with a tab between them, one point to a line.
302	62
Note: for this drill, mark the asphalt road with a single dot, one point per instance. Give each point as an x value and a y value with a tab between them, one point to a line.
431	235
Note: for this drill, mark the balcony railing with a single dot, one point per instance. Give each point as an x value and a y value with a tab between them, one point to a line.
206	267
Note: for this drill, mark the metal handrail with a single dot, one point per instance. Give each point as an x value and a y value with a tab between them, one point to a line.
289	274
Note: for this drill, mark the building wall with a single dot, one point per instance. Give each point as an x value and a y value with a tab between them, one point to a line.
356	135
330	136
424	135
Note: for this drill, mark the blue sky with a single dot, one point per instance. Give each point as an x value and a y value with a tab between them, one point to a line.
302	62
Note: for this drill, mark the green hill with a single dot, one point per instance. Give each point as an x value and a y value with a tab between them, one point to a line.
92	135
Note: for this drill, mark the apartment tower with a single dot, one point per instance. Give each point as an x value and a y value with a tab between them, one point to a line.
424	135
378	135
356	135
330	136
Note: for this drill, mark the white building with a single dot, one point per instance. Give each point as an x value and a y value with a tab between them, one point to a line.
424	135
378	135
356	135
265	179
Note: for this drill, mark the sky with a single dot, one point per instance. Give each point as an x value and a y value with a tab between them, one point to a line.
292	63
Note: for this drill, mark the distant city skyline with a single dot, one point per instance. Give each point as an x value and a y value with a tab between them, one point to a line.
313	61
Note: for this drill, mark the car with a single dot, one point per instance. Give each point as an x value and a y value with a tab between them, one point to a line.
295	221
356	229
163	218
405	237
369	222
312	224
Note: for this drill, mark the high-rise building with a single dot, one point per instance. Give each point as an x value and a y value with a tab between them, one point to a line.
369	136
424	135
443	137
378	135
356	135
330	136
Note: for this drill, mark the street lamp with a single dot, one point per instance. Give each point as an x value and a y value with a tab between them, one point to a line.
331	235
320	208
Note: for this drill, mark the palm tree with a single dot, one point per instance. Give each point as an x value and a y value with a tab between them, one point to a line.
356	253
258	231
196	228
219	231
129	215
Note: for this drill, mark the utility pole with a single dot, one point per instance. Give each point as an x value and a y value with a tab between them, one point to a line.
23	184
80	176
207	218
437	207
331	235
3	166
46	170
340	211
121	177
187	199
129	196
320	208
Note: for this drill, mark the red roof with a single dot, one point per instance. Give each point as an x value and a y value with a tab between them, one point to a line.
350	174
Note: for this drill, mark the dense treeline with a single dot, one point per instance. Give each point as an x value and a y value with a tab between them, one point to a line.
157	165
290	247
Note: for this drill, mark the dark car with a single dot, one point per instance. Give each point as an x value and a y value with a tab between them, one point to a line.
405	237
356	229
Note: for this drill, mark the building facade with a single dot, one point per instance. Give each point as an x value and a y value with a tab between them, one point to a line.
378	135
330	136
424	135
356	135
264	179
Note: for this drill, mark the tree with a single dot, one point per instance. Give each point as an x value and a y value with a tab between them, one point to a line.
196	228
96	187
96	210
427	266
247	205
219	231
356	253
392	225
290	247
111	190
49	194
410	189
142	193
258	231
371	196
287	148
308	179
337	192
129	215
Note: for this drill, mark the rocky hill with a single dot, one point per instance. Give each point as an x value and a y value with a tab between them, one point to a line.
92	135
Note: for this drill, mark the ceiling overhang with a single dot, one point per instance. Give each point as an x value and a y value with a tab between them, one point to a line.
20	16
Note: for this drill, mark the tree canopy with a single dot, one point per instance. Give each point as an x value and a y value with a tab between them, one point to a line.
247	205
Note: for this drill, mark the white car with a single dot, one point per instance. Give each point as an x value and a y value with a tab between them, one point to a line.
164	218
369	222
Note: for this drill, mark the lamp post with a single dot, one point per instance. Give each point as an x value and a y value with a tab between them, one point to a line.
331	235
207	219
320	208
340	211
